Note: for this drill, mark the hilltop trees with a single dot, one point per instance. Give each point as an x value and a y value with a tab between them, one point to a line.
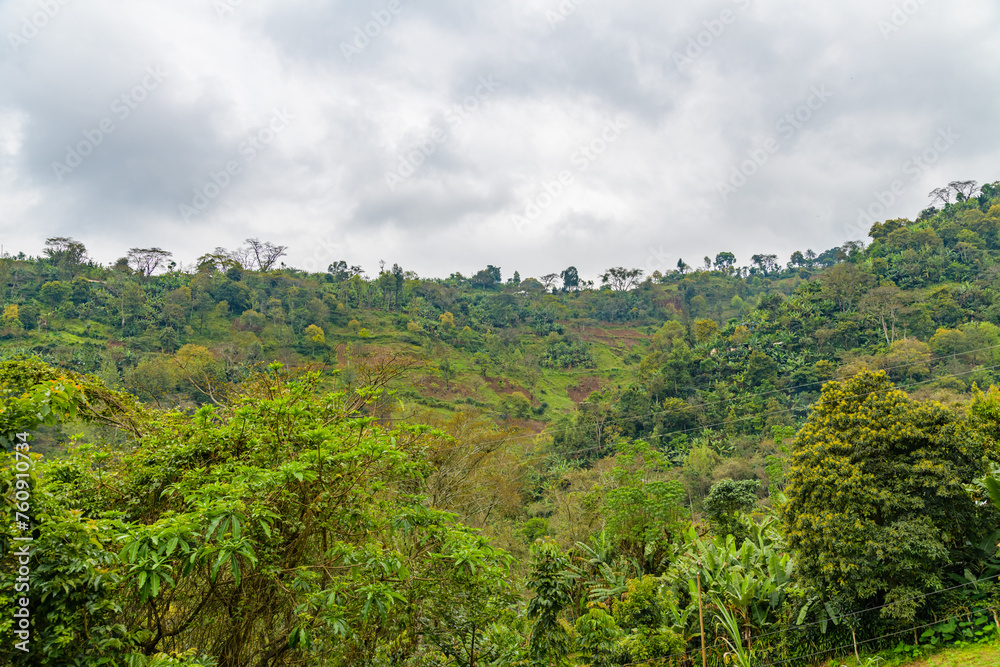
65	253
620	279
145	261
571	278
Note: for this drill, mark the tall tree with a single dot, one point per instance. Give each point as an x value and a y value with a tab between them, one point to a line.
877	508
66	253
571	278
724	261
147	260
620	279
264	254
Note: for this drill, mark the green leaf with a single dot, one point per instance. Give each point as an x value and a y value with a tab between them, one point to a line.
218	563
172	545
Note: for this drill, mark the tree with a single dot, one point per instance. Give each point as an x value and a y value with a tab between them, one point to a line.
488	277
55	293
548	280
316	336
398	280
766	263
964	189
341	271
285	505
263	254
570	278
727	498
942	195
644	509
886	476
65	253
884	303
219	259
147	260
724	261
846	284
552	580
621	279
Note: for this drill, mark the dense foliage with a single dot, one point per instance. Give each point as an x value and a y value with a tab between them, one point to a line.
240	463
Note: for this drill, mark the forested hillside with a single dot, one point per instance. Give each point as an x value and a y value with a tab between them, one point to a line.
241	463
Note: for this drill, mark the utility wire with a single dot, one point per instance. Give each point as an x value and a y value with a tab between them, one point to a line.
875	639
838	648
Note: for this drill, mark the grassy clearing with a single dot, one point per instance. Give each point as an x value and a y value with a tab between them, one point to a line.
979	655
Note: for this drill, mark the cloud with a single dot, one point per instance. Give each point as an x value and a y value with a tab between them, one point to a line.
374	85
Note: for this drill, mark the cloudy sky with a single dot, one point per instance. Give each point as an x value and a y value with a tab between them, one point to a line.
447	134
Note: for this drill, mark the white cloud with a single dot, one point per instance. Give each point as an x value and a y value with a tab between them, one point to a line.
651	193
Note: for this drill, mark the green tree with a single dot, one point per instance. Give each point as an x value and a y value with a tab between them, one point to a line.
725	500
877	508
55	293
316	336
552	581
643	507
724	261
279	526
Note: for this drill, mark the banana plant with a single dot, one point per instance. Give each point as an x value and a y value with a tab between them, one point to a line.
747	581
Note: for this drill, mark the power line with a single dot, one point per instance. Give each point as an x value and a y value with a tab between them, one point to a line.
875	639
754	638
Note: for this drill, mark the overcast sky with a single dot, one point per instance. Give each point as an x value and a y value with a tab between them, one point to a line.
445	135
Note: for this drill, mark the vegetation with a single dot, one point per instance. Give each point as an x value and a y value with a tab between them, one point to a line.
239	463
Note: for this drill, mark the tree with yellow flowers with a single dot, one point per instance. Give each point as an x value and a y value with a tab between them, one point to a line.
876	502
